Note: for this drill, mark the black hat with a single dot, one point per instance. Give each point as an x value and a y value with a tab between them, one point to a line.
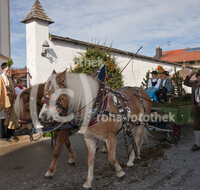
198	73
154	72
3	65
165	73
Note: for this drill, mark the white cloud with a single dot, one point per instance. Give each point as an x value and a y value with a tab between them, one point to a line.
128	23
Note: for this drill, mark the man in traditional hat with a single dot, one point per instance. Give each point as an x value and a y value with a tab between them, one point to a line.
7	96
196	102
165	86
153	85
4	100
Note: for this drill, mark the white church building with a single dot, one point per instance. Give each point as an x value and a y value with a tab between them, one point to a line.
46	52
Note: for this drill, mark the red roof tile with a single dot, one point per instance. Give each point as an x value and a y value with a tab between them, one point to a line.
181	55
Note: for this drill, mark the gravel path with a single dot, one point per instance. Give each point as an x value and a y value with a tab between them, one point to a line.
163	166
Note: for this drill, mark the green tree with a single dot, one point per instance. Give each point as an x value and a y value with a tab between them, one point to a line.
144	84
91	60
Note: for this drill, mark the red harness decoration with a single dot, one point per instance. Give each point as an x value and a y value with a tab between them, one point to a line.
20	87
95	121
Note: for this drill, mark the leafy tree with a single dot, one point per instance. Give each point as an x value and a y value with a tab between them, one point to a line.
144	84
91	60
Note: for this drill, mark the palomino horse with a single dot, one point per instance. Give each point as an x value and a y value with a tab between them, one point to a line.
81	92
23	111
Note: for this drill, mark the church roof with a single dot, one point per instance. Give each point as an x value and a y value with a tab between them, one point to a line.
37	12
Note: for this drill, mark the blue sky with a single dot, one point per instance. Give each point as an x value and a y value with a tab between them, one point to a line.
126	24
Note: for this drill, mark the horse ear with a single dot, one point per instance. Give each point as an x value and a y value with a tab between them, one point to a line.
54	72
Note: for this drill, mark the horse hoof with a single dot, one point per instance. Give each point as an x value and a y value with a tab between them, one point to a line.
85	187
120	175
104	151
71	163
48	177
130	165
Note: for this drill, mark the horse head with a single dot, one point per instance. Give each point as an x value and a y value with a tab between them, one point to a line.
55	98
24	107
65	94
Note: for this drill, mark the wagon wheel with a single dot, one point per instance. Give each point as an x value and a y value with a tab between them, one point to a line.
175	133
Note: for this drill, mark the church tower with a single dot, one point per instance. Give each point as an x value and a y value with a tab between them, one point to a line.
37	36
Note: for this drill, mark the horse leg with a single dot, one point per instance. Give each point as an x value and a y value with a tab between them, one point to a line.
138	140
111	143
91	144
104	148
61	135
71	159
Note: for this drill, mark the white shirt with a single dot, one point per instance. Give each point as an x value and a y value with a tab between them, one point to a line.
154	80
197	94
17	90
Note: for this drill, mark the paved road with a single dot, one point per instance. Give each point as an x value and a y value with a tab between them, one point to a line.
163	166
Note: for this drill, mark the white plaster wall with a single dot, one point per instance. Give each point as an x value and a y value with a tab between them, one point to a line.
4	28
137	68
36	33
60	57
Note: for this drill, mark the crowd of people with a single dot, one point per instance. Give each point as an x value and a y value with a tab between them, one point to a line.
8	93
158	87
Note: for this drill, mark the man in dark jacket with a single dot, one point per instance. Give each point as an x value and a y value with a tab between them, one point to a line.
165	86
196	102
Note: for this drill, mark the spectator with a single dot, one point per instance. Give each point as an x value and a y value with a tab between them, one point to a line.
4	100
19	86
9	119
196	102
153	85
165	86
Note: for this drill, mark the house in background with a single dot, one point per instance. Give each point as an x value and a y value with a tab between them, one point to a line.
4	31
20	73
189	56
46	52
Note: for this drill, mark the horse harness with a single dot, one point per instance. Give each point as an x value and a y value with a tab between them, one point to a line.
123	113
126	121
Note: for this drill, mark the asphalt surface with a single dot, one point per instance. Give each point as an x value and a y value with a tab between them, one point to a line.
163	166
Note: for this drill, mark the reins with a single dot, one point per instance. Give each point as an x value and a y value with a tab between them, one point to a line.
110	88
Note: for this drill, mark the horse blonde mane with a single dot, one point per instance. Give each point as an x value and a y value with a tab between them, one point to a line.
52	81
18	105
85	89
81	91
